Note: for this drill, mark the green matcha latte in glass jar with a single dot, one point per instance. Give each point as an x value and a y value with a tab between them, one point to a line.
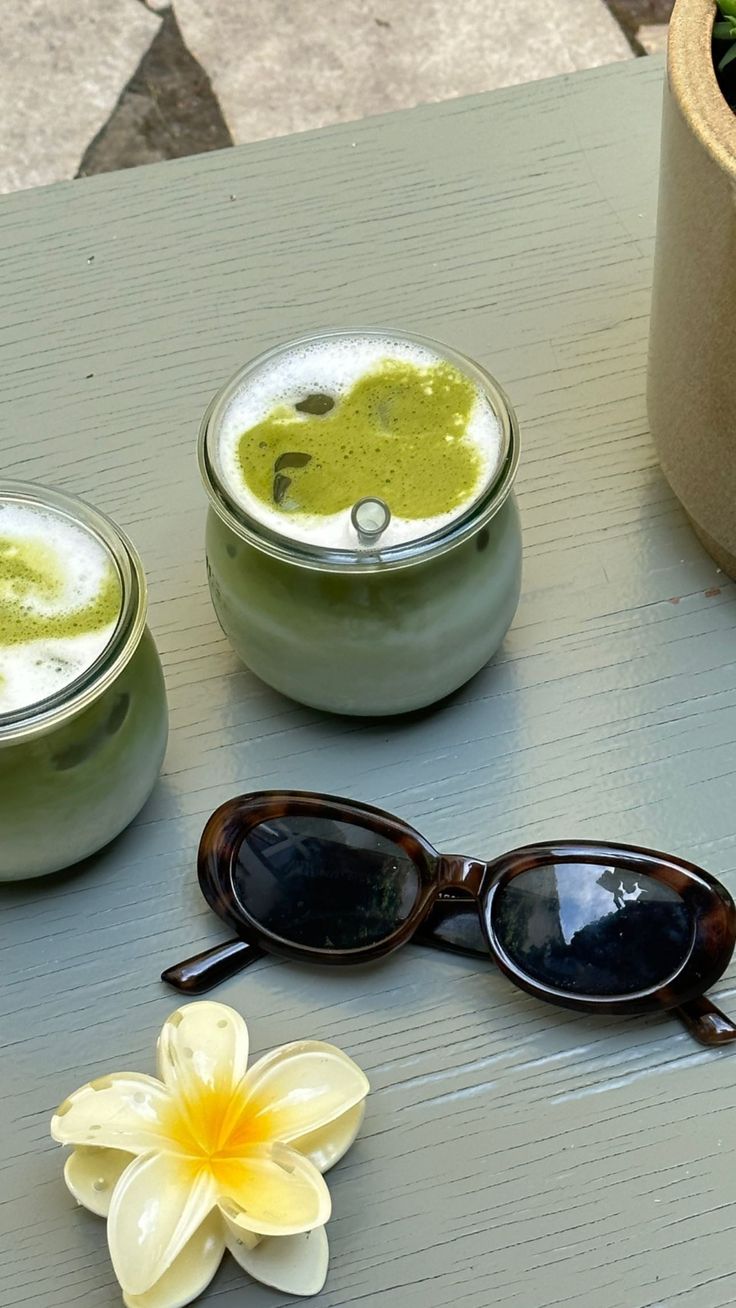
83	719
363	541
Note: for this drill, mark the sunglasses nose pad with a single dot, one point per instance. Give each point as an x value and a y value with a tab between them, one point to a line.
454	925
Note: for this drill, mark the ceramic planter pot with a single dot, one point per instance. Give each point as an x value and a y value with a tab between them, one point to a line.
692	360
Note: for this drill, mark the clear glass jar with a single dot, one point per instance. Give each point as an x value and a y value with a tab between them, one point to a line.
367	632
77	767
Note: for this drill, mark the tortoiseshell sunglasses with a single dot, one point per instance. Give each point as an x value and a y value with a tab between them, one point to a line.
599	927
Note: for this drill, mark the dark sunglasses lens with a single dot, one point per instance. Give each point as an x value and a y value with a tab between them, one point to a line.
592	930
324	884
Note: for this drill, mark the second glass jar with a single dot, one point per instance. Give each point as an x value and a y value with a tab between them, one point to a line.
76	769
367	632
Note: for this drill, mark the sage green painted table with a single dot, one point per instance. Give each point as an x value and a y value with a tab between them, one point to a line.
513	1155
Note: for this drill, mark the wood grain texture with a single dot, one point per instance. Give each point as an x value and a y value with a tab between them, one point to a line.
513	1154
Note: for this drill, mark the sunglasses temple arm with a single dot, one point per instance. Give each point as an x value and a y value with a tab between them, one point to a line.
208	969
706	1022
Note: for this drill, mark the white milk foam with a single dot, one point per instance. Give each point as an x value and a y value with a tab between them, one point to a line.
32	670
332	367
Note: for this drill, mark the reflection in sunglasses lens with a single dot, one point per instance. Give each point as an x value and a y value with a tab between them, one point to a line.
324	884
588	929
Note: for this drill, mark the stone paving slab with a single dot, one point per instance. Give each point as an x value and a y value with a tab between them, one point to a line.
280	67
93	85
652	37
644	22
64	65
166	111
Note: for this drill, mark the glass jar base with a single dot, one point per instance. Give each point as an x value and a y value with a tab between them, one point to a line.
370	645
67	793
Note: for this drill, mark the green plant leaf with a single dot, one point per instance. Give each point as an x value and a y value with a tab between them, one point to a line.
725	31
727	8
728	58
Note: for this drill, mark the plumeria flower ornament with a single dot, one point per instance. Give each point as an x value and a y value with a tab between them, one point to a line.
212	1156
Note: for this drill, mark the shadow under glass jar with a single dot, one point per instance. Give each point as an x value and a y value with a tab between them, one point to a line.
77	766
372	630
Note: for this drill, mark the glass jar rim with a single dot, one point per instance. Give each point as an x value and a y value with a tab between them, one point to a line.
405	553
45	714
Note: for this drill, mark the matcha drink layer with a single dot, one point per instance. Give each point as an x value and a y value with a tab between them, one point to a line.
60	598
328	423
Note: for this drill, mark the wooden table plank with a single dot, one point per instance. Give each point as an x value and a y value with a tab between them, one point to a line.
513	1154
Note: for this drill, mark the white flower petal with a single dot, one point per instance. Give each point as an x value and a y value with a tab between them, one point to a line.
92	1174
157	1205
123	1111
327	1144
191	1271
240	1238
294	1264
273	1190
203	1045
301	1087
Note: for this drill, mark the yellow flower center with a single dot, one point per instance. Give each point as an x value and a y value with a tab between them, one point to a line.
216	1126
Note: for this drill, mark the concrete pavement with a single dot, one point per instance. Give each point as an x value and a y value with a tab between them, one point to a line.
91	85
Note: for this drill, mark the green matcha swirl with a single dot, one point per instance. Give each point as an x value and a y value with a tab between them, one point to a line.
33	603
60	596
399	432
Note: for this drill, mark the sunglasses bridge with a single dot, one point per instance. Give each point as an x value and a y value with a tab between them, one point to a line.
461	873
